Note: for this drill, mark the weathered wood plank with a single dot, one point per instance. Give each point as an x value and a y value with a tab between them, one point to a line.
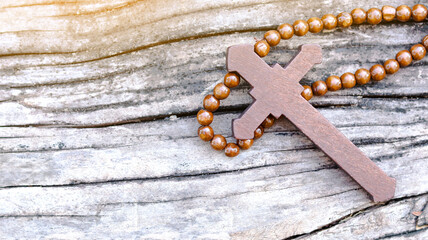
171	147
89	27
399	214
113	90
169	78
277	205
137	70
274	181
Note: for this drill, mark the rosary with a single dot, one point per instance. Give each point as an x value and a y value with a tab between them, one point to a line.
276	92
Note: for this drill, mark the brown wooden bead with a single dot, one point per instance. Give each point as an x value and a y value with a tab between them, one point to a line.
206	133
300	27
231	150
286	31
231	80
404	58
245	144
258	133
362	76
262	48
272	37
388	13
344	19
307	92
333	83
403	13
374	16
211	103
205	117
358	15
391	66
418	51
218	142
348	80
319	88
315	25
221	91
329	21
425	42
268	122
419	13
377	72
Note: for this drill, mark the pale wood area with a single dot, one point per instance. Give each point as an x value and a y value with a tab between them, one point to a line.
98	130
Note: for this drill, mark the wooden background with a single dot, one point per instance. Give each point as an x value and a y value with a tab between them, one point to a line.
98	132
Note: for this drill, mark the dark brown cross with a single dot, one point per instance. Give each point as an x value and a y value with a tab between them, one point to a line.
277	91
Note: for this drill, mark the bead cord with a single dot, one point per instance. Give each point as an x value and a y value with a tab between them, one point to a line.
285	31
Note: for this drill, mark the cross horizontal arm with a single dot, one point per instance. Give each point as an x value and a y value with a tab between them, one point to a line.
253	116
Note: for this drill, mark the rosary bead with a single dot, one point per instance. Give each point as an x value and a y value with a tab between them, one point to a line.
425	42
301	27
211	103
329	21
272	37
419	13
262	48
348	80
231	150
218	142
391	66
268	122
231	80
344	19
333	83
374	16
358	15
362	76
377	72
403	13
286	31
315	25
206	133
319	88
245	144
418	51
307	92
205	117
404	58
388	13
258	133
221	91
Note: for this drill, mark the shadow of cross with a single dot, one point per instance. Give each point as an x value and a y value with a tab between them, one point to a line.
277	91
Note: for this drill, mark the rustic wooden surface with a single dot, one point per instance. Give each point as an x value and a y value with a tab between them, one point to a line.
98	130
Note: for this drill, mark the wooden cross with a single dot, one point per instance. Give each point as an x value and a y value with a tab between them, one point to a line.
277	91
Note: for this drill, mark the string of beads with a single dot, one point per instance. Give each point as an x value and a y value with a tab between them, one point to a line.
362	76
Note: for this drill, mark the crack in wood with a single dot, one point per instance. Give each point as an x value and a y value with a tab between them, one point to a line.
358	212
422	225
183	114
177	177
402	234
142	203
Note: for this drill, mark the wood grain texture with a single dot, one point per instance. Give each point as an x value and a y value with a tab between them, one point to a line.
98	131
